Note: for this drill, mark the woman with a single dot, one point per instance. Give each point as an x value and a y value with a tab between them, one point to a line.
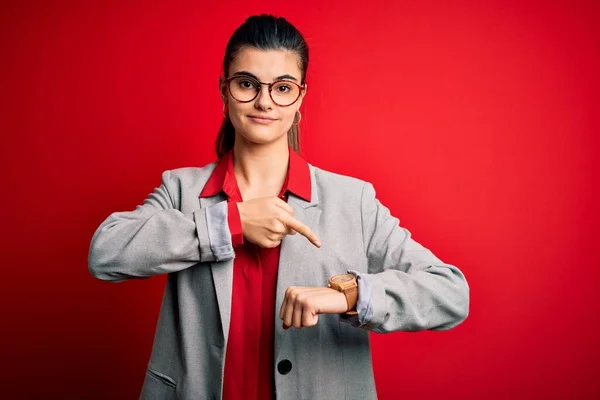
261	241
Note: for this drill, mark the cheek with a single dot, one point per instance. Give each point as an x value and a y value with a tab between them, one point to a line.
288	116
236	111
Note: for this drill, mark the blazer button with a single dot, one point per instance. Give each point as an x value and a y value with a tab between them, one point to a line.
284	367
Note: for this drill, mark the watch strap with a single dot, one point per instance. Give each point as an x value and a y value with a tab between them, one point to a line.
351	294
350	291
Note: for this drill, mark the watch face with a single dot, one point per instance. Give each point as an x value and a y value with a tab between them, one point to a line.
342	278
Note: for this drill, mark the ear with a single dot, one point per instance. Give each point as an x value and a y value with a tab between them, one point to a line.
302	96
223	89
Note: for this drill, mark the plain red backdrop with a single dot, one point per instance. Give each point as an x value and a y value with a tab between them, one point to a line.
477	123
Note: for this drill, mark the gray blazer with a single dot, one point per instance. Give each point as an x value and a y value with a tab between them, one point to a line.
403	285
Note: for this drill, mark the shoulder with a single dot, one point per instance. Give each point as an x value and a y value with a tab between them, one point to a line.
186	179
323	176
334	185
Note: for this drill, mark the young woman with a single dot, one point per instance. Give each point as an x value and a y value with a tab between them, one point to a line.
261	241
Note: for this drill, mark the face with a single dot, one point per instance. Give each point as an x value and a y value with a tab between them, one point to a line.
267	66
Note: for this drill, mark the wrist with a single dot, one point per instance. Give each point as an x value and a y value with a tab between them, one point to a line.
348	286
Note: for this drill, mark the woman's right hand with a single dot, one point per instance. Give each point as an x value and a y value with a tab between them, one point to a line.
266	221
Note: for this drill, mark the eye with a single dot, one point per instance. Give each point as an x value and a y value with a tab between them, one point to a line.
245	83
283	87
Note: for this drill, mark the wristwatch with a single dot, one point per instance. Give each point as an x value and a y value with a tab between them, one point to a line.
346	283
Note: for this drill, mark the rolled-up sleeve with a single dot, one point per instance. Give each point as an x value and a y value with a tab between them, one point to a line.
155	238
224	229
406	288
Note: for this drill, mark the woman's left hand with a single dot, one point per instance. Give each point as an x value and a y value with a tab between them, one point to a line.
303	304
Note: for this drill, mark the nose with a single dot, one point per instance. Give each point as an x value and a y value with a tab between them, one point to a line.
263	100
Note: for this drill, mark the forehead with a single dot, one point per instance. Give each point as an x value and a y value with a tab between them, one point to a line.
266	64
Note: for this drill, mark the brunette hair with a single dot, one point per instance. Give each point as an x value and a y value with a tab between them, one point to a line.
263	32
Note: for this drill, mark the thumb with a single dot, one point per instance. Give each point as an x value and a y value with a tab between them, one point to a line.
312	319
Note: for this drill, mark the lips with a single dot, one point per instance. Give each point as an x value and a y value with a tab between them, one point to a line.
262	118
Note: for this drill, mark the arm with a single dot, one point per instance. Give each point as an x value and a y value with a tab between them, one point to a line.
156	238
407	288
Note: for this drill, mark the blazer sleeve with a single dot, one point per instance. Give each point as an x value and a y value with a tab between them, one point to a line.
407	287
157	238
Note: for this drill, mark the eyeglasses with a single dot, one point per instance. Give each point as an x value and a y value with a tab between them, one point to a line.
244	89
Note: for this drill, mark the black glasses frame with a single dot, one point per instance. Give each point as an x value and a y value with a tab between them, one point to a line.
270	85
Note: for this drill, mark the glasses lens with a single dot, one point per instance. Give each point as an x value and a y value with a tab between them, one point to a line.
243	89
285	93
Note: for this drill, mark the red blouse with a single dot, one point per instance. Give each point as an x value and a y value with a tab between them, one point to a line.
249	358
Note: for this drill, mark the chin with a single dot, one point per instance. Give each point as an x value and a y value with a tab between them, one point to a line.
262	135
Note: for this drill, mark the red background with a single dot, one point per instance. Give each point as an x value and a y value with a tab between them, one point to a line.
477	124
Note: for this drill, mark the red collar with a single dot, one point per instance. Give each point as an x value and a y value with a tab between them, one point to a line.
222	178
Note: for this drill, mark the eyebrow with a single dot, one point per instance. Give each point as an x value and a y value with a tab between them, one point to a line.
246	73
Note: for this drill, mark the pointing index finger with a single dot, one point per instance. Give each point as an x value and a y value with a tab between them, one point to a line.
302	229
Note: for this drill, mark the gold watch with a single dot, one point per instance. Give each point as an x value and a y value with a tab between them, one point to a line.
346	283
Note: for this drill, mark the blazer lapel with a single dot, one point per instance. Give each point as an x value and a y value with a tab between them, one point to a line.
294	259
222	273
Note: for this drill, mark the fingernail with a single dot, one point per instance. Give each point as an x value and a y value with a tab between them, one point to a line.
285	327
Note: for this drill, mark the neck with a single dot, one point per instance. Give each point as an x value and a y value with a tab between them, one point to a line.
261	168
